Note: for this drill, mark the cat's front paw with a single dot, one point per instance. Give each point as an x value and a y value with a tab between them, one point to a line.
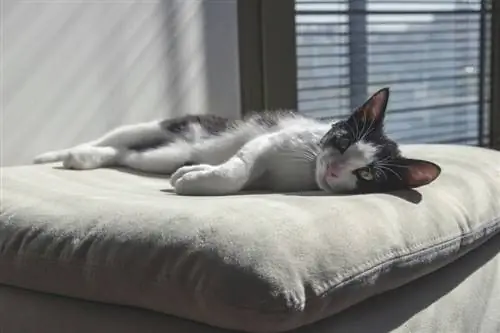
206	179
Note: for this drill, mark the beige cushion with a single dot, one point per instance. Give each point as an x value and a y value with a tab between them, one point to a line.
463	297
255	262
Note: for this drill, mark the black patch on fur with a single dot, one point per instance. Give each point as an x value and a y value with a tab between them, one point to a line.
211	124
270	119
175	127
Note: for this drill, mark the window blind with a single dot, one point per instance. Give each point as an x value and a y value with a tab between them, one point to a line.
433	54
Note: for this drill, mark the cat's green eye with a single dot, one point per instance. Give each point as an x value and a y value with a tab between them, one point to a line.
366	174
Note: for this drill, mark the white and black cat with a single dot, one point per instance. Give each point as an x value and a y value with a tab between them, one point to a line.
277	151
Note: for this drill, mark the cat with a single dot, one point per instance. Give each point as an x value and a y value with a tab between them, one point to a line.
276	151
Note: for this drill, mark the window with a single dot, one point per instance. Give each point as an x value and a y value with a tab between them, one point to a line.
433	54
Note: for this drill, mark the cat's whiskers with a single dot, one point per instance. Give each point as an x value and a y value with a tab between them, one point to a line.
350	130
395	165
362	131
369	130
384	159
367	133
310	156
394	172
357	129
380	170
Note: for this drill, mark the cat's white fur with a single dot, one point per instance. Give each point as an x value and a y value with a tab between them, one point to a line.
286	157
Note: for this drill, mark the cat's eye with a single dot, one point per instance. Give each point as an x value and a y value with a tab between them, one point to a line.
343	143
366	174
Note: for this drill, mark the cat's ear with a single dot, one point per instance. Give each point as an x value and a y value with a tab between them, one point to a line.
373	110
418	173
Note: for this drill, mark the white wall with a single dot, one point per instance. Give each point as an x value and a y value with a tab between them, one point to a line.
73	69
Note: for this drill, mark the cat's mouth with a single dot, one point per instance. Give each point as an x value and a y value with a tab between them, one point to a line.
332	174
333	170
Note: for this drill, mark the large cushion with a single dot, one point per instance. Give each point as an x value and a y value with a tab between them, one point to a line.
252	262
463	297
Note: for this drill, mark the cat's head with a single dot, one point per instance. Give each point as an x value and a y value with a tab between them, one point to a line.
357	156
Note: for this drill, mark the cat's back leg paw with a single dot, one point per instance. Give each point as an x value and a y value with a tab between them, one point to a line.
51	157
87	158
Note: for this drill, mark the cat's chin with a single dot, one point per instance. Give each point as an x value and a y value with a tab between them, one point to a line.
322	185
345	185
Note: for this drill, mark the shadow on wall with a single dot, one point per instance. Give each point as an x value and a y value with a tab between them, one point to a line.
73	71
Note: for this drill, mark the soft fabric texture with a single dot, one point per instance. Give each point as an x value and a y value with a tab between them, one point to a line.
251	262
462	297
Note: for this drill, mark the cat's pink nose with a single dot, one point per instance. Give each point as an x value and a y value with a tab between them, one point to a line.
333	169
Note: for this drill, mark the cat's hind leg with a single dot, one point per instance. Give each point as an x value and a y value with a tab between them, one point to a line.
204	154
86	158
82	157
105	151
163	160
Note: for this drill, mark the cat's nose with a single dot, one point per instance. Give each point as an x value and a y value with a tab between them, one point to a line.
334	169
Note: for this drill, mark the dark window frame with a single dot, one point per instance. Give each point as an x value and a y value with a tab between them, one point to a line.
495	77
268	61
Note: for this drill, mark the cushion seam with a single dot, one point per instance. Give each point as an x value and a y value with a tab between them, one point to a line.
406	256
394	257
332	285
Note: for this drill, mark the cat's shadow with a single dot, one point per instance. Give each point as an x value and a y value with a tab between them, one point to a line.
124	170
142	174
409	195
